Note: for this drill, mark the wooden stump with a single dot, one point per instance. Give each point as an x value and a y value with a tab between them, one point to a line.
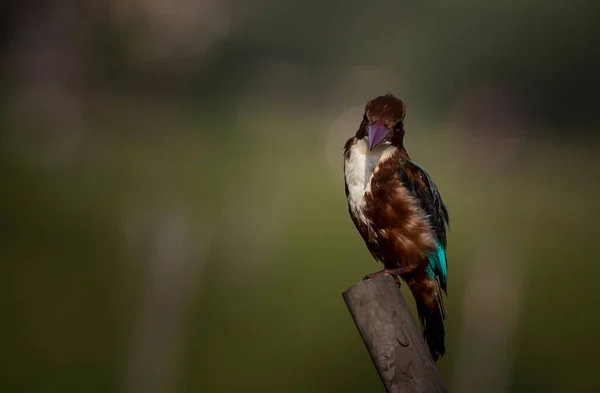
396	345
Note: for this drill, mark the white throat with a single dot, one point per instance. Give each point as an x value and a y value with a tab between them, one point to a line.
359	169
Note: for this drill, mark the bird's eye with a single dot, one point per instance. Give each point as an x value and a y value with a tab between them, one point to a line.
365	118
399	124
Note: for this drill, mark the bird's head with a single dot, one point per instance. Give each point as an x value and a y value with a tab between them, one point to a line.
383	121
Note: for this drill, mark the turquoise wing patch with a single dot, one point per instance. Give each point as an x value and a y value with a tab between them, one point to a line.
438	265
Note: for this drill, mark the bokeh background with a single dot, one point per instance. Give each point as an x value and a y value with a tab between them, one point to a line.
172	213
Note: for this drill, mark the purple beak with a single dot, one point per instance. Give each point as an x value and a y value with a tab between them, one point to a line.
377	131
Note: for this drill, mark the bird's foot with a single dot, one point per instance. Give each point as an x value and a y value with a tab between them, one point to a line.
395	272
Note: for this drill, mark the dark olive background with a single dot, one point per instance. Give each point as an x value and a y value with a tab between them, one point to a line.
172	214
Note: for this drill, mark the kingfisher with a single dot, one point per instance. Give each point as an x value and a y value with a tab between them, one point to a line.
398	210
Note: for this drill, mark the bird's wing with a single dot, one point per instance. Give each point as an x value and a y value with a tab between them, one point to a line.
419	183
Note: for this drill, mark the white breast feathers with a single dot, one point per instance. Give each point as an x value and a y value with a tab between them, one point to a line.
359	169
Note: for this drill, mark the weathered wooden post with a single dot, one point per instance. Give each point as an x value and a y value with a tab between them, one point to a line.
394	342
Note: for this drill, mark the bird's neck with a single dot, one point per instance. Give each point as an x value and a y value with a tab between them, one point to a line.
402	153
398	139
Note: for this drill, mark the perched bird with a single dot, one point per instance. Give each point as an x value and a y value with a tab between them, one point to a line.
399	212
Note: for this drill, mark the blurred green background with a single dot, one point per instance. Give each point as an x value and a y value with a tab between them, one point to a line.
172	213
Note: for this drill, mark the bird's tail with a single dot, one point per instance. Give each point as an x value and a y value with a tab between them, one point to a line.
430	307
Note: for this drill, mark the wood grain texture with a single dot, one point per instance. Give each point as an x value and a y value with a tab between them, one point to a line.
394	342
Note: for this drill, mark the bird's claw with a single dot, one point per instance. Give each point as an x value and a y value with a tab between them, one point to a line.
395	273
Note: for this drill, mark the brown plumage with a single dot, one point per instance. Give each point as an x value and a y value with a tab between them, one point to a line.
398	211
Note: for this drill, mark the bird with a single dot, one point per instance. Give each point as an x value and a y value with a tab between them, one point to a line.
399	212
